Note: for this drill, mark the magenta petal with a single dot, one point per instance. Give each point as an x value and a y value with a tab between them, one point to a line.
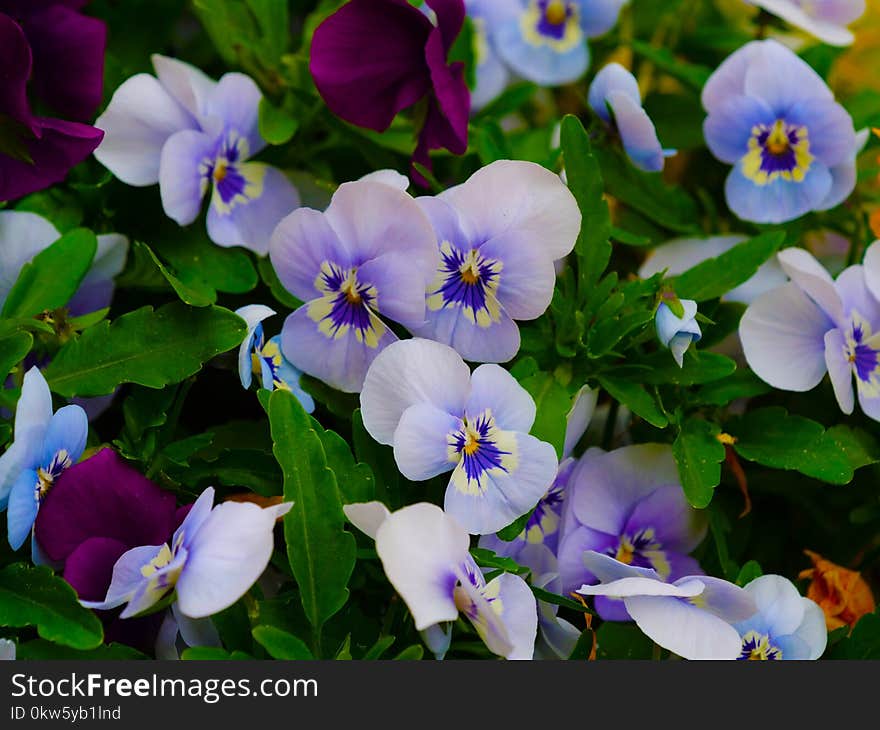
89	567
15	67
68	51
367	60
450	19
104	497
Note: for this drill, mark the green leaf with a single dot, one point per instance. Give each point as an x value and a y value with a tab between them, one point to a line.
488	559
277	126
13	350
515	528
212	653
196	293
622	641
636	398
661	369
772	437
280	644
859	447
355	481
41	650
593	247
321	552
609	331
863	642
583	647
151	348
553	403
748	573
741	384
698	455
34	596
691	74
383	644
411	653
714	277
53	276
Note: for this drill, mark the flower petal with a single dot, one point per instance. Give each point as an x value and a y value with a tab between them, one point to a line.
182	174
495	388
22	508
366	516
421	442
840	370
127	577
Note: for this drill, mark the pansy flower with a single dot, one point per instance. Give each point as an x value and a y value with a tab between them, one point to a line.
615	98
677	256
690	617
425	555
492	74
499	234
45	444
371	253
794	334
58	53
373	58
825	19
7	650
265	356
192	134
23	235
546	41
678	332
785	626
420	397
213	559
775	120
628	504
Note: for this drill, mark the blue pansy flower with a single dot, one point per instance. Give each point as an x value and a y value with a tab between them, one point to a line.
785	626
420	397
499	234
44	446
824	19
677	333
775	120
190	134
545	42
274	370
614	96
492	75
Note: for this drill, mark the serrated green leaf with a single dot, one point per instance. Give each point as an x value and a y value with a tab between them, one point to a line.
320	551
593	247
53	276
717	276
772	437
698	455
34	596
280	644
151	348
636	398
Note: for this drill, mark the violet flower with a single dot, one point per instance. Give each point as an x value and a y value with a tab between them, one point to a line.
374	58
61	54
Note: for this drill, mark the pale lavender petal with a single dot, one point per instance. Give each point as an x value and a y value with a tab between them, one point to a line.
127	577
234	103
366	516
497	342
494	388
400	295
22	236
637	132
728	128
783	338
188	85
410	372
527	279
518	612
21	510
803	269
612	77
778	76
421	442
840	370
421	548
183	177
676	525
779	603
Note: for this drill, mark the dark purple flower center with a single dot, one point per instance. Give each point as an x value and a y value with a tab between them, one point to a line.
641	550
757	646
467	280
778	150
347	304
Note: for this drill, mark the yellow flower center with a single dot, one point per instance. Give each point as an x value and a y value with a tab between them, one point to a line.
555	12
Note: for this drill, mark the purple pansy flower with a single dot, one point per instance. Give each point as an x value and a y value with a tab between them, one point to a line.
796	333
792	146
628	504
499	234
371	253
424	552
190	133
99	509
785	626
691	617
213	559
614	96
23	235
545	41
39	151
372	58
825	19
420	397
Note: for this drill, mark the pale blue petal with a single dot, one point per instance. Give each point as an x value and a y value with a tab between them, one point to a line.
518	612
127	577
778	602
184	170
66	436
195	631
195	518
813	631
779	77
528	278
637	133
612	77
400	295
780	200
540	64
832	135
840	370
494	388
22	508
728	128
499	342
234	103
599	16
251	223
843	182
253	315
421	442
34	410
783	338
